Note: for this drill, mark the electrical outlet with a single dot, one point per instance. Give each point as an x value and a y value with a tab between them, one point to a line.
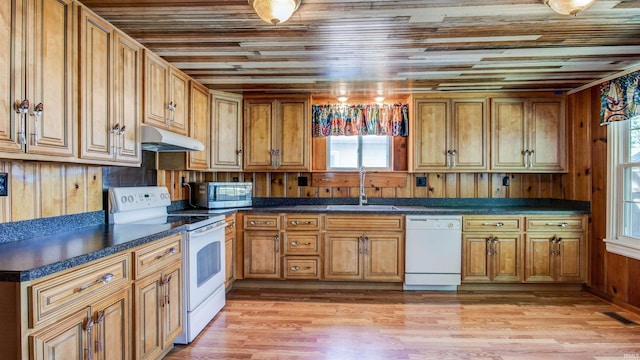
421	181
4	184
303	181
505	181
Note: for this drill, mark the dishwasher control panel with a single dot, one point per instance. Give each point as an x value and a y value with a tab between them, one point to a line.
433	222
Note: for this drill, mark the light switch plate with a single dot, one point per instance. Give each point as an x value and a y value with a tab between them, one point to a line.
421	181
4	184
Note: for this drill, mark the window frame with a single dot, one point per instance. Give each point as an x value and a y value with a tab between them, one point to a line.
618	140
359	151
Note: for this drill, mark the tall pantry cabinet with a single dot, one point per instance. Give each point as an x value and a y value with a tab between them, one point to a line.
36	77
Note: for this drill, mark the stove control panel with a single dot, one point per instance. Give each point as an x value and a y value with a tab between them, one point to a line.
135	198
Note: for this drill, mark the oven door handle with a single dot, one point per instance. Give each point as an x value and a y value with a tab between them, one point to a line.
207	229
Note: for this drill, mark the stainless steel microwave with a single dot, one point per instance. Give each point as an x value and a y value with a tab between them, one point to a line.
214	195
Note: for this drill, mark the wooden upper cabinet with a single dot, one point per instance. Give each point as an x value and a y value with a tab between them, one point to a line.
127	98
166	95
276	134
110	92
450	135
199	126
37	33
528	135
226	131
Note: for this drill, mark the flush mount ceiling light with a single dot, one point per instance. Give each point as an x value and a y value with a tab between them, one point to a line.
274	11
379	98
343	98
568	7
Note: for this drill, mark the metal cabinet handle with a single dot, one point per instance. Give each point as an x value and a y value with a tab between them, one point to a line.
297	243
489	242
298	268
169	252
296	223
103	280
23	110
366	245
495	246
498	224
453	157
260	222
562	224
88	326
37	113
99	330
277	241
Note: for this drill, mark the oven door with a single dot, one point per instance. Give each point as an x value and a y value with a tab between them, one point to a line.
205	263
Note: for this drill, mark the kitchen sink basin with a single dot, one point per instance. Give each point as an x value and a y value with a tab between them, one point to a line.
362	207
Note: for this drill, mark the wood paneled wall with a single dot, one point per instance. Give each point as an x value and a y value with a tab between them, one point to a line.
439	185
41	189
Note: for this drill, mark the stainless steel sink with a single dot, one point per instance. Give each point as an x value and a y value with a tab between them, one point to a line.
362	207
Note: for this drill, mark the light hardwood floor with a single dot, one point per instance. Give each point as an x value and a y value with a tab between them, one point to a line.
290	324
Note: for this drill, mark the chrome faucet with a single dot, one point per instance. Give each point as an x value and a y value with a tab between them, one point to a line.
362	198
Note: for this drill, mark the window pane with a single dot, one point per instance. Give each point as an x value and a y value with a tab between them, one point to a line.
634	140
631	202
375	151
343	152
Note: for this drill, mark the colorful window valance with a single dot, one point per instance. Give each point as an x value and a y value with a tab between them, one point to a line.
620	98
336	120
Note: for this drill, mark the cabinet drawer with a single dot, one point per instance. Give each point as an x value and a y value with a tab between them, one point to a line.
369	222
493	223
58	297
302	267
556	223
302	243
149	258
261	222
302	222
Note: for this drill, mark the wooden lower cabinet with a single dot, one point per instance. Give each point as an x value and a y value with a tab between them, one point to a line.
488	257
158	310
262	254
358	256
66	340
554	257
230	250
99	331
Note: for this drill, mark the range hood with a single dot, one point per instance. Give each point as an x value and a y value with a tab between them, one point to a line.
159	140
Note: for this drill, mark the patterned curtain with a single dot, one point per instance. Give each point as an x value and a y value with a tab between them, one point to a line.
335	120
620	99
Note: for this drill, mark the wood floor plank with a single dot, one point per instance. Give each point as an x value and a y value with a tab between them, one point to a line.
264	324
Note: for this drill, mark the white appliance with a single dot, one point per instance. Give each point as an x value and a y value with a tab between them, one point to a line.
433	258
204	258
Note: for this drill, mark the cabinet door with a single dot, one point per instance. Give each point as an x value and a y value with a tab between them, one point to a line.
179	95
11	73
199	127
506	258
112	334
343	256
172	305
292	132
156	76
430	135
226	131
469	135
65	340
96	60
508	117
547	135
229	258
262	254
383	257
258	134
539	262
475	257
569	260
49	77
127	97
148	295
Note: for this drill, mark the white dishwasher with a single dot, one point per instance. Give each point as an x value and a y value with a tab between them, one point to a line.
433	247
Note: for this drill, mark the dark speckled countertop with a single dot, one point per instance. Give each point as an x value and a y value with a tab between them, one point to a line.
26	255
37	257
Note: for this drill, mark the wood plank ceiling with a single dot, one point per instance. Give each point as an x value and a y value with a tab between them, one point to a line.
364	48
